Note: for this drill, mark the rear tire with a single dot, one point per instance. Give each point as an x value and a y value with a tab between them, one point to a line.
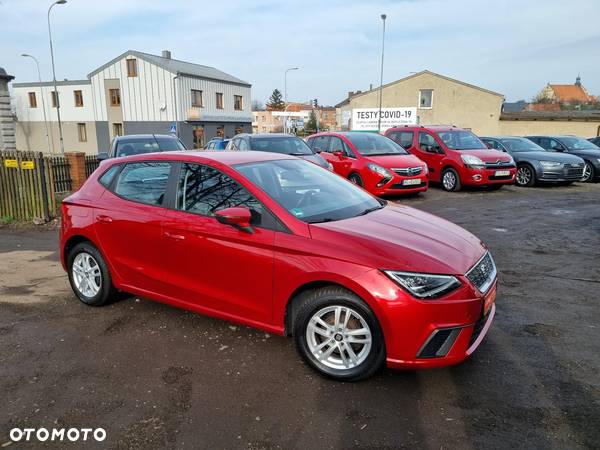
338	335
356	179
451	180
89	275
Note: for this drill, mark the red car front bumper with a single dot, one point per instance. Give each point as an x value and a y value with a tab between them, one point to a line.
483	177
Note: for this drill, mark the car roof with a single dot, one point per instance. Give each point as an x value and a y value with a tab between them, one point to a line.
502	137
226	157
144	136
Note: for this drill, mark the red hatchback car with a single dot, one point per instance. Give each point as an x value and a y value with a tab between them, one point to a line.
372	161
275	242
456	157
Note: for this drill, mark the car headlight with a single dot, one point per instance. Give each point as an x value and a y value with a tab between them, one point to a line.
424	285
379	170
551	164
473	161
511	159
425	170
329	166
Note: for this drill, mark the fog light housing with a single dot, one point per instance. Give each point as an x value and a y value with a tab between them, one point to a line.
477	177
383	182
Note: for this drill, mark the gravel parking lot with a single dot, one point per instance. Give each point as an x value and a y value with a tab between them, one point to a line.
158	377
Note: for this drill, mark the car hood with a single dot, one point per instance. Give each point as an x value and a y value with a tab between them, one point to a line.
403	238
316	159
589	153
548	156
395	161
488	155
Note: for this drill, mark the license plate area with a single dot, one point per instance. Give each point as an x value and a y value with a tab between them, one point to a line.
502	173
411	182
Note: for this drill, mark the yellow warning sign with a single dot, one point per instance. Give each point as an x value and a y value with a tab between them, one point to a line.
27	165
11	163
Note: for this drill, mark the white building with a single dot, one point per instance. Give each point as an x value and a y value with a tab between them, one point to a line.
132	94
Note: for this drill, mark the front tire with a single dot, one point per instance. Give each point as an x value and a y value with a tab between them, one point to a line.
525	176
588	173
451	180
89	275
356	179
337	334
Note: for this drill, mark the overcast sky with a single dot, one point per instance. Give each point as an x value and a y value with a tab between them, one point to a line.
508	46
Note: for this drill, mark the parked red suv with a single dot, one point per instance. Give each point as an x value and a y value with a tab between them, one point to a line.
275	242
456	157
372	161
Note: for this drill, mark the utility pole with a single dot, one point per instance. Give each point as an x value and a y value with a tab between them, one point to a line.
383	17
50	148
60	134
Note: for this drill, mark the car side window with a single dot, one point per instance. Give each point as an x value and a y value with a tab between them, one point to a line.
492	144
555	145
348	151
144	182
321	143
210	145
336	144
427	143
543	142
243	145
107	177
402	138
204	190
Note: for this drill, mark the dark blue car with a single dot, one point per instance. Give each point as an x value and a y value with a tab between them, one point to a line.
217	144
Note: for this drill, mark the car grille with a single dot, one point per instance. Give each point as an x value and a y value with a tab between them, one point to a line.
483	274
573	170
498	165
409	172
478	328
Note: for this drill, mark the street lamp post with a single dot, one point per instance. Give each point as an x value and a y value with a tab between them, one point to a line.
60	134
43	101
175	78
383	17
285	95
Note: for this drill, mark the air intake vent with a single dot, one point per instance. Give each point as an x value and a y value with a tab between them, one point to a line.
439	343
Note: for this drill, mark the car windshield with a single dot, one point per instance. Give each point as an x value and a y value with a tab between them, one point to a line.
288	145
521	145
371	144
309	192
461	140
575	143
137	146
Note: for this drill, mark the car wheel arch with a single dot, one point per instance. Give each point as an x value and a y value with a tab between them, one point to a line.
293	301
72	242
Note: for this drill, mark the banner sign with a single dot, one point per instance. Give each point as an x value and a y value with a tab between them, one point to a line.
27	165
11	163
366	119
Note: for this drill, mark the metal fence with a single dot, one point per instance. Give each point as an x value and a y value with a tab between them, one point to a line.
61	173
91	164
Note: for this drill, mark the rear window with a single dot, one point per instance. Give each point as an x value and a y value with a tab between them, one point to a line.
148	145
144	182
286	145
107	177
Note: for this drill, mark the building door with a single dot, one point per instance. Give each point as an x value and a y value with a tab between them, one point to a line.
198	136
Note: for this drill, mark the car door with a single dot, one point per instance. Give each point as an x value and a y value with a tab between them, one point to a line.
342	164
212	265
429	151
128	219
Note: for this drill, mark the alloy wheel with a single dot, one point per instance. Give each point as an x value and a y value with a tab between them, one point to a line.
339	337
587	172
449	180
87	276
523	176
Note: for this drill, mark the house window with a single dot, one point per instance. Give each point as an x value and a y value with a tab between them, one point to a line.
115	97
237	102
425	98
118	129
196	98
53	99
219	100
132	67
82	132
32	100
239	130
78	98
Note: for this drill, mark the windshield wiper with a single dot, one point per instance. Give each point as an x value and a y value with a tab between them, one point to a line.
368	210
300	154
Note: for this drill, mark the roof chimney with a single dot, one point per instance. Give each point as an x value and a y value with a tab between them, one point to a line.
166	54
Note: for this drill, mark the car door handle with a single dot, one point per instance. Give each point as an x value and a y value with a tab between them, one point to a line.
174	236
105	219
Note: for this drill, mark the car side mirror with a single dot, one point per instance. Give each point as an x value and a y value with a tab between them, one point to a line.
338	153
238	217
102	156
317	150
